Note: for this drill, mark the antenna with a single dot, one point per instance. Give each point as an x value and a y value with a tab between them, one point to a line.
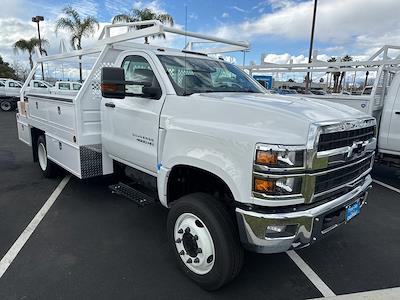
184	73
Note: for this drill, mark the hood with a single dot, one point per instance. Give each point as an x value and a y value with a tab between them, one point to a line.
310	109
255	118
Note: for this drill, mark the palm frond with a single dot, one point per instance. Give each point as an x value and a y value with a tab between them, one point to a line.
166	19
123	18
65	23
21	45
73	13
88	26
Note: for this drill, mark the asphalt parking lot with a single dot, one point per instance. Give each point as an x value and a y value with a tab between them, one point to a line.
93	244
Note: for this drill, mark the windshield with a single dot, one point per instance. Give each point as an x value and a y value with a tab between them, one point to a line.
196	75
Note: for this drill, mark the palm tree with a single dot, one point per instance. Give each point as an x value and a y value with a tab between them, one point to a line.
144	15
29	46
343	74
336	76
78	27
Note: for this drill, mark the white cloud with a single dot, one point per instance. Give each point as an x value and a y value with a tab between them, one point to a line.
239	9
357	23
225	15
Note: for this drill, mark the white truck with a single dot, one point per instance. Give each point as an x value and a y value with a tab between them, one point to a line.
66	88
39	86
236	167
9	93
380	100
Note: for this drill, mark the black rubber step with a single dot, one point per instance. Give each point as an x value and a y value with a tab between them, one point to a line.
132	194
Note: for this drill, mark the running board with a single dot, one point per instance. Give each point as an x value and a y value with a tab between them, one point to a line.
132	194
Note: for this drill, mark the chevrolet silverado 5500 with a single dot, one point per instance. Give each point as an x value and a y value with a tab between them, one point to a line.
236	167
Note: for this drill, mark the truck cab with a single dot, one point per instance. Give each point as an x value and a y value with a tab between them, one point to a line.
66	88
40	86
9	93
236	167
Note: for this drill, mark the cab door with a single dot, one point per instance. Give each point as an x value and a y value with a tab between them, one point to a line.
130	126
13	89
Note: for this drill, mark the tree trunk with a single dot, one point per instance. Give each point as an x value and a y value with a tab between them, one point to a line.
30	60
366	79
79	46
341	81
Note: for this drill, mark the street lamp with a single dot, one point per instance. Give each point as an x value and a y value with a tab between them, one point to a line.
311	43
37	20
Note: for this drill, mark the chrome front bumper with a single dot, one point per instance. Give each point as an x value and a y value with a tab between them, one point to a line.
253	225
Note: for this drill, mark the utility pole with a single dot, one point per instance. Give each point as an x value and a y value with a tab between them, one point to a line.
311	44
37	20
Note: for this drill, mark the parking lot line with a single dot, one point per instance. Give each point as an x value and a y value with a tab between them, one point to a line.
385	294
23	238
311	275
387	186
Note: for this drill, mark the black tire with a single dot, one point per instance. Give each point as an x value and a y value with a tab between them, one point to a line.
6	105
49	169
228	250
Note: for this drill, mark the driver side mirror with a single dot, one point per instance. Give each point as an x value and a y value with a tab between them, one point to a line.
113	82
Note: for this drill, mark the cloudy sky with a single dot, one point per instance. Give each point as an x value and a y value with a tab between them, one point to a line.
280	28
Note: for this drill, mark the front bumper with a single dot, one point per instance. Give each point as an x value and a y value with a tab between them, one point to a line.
311	224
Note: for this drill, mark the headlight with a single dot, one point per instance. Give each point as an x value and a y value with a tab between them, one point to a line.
277	156
278	186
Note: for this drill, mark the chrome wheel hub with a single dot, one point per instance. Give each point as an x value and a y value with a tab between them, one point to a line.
194	243
42	156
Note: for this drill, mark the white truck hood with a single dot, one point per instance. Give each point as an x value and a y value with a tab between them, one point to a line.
311	109
256	118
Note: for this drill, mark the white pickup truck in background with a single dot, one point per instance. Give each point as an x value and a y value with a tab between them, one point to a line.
40	86
9	93
236	167
66	88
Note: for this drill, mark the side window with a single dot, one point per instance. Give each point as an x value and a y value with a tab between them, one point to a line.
76	86
11	84
36	84
1	84
64	86
138	70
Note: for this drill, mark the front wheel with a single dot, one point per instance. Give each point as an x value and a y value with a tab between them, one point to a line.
205	240
47	166
6	105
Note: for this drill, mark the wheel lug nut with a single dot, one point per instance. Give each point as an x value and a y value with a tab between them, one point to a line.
180	231
187	230
196	260
189	261
199	251
182	252
178	240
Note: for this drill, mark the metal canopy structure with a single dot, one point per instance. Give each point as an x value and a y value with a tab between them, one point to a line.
379	58
125	41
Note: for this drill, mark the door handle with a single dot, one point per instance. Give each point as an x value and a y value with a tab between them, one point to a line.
397	112
109	104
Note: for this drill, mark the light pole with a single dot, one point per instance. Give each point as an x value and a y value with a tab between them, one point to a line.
37	20
311	44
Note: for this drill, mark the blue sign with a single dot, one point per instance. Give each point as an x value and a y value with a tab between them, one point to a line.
266	81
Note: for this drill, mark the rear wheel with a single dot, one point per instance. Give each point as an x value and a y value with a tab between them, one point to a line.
205	240
6	105
48	167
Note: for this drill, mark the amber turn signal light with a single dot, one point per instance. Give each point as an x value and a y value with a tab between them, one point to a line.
263	185
266	158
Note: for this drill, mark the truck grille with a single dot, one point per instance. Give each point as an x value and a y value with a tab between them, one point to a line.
333	140
340	177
